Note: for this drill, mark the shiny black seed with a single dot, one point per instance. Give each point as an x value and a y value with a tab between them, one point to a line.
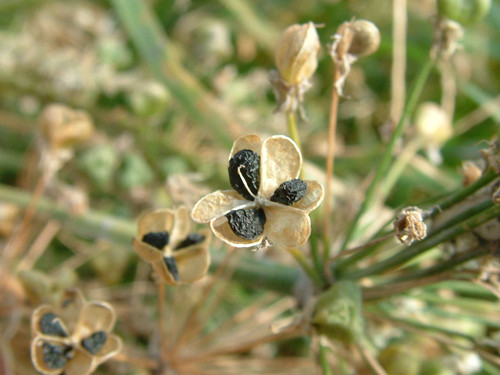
248	163
51	325
172	267
54	356
247	224
95	342
191	239
290	192
157	239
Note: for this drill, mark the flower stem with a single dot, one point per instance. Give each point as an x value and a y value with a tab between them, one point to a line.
370	196
330	160
291	120
301	259
161	318
323	359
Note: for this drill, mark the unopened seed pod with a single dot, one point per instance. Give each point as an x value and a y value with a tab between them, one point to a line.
365	38
464	11
297	53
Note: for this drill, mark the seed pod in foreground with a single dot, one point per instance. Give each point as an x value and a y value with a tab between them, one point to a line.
297	53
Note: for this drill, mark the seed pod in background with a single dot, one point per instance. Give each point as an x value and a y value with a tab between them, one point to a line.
433	123
465	12
64	127
297	53
364	35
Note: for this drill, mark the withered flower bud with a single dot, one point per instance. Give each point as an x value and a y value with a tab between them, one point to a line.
64	127
297	53
471	172
409	225
365	38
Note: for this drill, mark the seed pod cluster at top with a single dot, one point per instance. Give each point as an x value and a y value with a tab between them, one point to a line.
297	53
465	12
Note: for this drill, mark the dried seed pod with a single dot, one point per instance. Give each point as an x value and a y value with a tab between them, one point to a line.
245	164
464	11
365	38
247	224
471	172
290	192
296	53
409	225
65	127
172	267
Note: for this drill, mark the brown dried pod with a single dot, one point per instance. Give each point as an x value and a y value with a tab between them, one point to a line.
296	53
269	203
64	127
409	225
164	240
361	37
74	337
471	173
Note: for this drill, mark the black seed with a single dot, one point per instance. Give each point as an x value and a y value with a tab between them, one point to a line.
157	239
247	224
54	356
249	164
191	239
51	325
95	342
290	192
172	267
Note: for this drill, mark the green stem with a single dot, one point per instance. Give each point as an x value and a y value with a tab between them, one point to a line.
291	120
430	241
370	196
323	359
301	259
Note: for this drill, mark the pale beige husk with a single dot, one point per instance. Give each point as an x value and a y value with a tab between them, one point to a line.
192	261
296	53
286	226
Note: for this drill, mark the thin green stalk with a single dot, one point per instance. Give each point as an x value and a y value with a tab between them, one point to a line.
370	196
430	241
154	48
323	359
291	120
308	269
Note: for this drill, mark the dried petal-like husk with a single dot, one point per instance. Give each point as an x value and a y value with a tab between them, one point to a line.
37	355
217	204
155	221
287	226
112	347
70	307
38	313
280	161
96	316
313	198
181	227
81	364
246	142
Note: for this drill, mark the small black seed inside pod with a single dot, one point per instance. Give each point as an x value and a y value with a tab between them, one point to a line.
54	356
247	224
157	239
248	163
172	267
51	325
290	192
95	342
191	239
